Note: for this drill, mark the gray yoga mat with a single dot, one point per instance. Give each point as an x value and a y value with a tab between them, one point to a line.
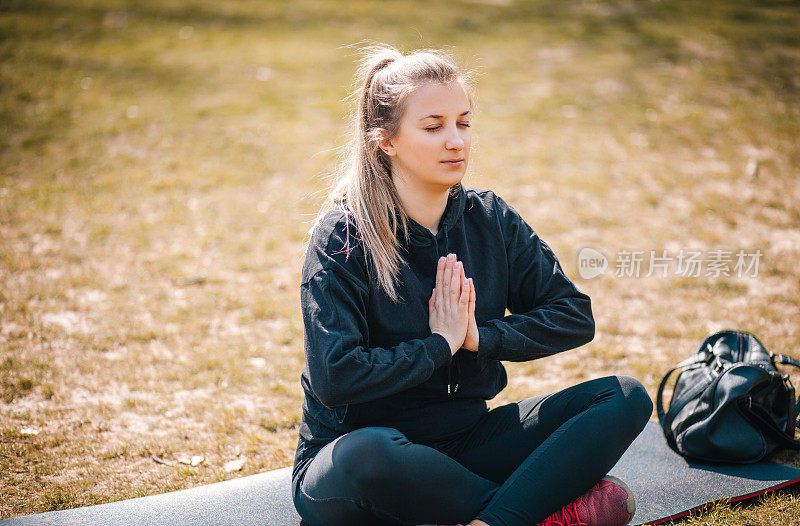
667	486
664	484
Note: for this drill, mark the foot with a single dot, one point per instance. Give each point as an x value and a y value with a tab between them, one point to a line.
608	503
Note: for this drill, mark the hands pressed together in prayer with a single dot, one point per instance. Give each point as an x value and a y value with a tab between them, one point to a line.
452	305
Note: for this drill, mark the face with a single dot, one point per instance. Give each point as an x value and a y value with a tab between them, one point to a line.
431	147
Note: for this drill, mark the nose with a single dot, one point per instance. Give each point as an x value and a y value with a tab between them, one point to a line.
454	140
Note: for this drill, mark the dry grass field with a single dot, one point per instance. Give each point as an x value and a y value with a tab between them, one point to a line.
160	163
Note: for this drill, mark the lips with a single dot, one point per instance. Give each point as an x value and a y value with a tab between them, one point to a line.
453	161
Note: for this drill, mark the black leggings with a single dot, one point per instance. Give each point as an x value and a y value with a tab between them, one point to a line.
518	465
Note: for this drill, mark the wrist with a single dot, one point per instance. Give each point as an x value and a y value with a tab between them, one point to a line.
450	342
471	343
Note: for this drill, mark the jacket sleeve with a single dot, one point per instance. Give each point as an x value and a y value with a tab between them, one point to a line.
548	313
342	369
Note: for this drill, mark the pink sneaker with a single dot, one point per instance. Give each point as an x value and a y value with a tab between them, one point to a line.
607	503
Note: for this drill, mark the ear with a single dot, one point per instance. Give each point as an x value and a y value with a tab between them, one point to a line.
384	143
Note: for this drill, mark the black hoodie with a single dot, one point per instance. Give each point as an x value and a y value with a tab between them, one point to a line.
373	362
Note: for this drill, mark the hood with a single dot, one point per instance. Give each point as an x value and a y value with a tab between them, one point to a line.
418	235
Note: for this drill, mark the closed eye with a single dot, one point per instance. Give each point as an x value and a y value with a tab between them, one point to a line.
434	128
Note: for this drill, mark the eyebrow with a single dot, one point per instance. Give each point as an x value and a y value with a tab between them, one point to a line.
440	116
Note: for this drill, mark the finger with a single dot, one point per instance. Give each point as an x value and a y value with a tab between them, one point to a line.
447	275
432	301
455	280
471	298
464	284
437	289
465	290
438	294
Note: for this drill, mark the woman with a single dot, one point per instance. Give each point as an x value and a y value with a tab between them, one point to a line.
405	286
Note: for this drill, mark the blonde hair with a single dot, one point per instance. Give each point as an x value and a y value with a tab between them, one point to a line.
363	178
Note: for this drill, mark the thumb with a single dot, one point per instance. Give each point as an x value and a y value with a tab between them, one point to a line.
472	299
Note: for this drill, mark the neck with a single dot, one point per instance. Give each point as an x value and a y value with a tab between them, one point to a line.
423	204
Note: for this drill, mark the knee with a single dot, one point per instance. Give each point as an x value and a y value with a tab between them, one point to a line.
635	402
368	455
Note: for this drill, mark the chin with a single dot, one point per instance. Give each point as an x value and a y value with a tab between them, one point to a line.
456	180
446	184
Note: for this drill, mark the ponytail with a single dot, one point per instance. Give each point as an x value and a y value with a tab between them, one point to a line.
363	179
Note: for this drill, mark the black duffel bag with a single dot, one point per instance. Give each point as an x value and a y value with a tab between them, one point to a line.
730	403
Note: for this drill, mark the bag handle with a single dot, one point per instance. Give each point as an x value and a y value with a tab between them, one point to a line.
702	357
690	363
761	419
665	425
786	360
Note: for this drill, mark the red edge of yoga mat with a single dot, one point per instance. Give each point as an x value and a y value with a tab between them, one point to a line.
746	496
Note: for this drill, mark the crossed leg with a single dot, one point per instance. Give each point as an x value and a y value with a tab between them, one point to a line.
520	463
